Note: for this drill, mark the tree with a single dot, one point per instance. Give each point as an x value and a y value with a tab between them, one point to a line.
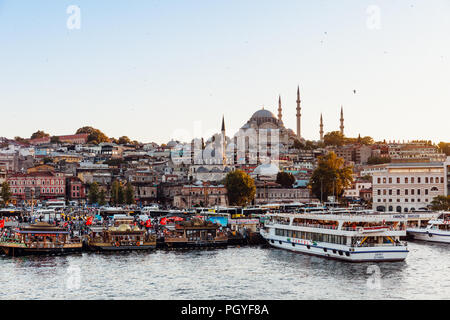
129	194
378	160
95	135
241	188
102	198
124	140
93	194
21	140
5	193
444	148
330	177
117	193
55	139
334	138
285	179
441	203
39	134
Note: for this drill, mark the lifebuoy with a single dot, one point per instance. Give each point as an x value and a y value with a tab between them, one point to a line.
138	243
117	244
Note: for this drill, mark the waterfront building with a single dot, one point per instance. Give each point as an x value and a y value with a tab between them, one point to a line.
38	185
201	194
405	187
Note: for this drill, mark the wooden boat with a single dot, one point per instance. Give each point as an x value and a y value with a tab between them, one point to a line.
40	238
195	233
124	235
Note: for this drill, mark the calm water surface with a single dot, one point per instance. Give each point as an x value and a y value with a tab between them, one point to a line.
233	273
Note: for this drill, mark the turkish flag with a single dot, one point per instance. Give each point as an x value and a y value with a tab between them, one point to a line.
148	224
2	223
89	221
163	221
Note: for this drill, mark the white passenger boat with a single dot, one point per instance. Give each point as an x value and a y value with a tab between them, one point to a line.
344	235
437	230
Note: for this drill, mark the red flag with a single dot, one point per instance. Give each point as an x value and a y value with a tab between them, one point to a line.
163	221
89	221
148	224
2	223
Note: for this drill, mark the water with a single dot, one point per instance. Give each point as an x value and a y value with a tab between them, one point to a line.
233	273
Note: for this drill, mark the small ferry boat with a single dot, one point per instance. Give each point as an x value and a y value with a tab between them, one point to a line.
437	230
122	236
344	235
195	233
40	238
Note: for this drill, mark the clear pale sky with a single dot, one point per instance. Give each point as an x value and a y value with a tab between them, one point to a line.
149	69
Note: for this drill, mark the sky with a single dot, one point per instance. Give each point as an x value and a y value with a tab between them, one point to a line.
156	70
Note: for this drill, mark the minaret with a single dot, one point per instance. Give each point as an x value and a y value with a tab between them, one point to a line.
224	143
342	120
279	109
299	134
321	128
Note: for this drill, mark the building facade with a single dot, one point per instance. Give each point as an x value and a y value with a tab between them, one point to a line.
405	187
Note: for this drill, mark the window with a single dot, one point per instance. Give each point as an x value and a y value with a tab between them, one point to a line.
412	191
406	180
390	180
406	192
398	180
412	179
398	192
431	180
426	179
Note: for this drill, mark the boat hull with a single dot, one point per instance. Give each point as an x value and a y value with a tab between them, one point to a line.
195	245
110	247
429	235
16	251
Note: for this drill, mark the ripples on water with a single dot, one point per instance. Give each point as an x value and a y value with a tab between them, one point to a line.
234	273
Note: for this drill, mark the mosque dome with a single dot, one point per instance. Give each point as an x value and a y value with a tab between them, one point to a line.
263	114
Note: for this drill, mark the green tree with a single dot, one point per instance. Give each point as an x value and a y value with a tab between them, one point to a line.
441	203
102	197
39	134
117	193
330	177
95	135
5	193
129	194
285	179
240	187
93	193
334	138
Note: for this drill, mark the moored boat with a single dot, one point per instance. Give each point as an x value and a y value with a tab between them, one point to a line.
122	236
349	236
195	233
437	230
